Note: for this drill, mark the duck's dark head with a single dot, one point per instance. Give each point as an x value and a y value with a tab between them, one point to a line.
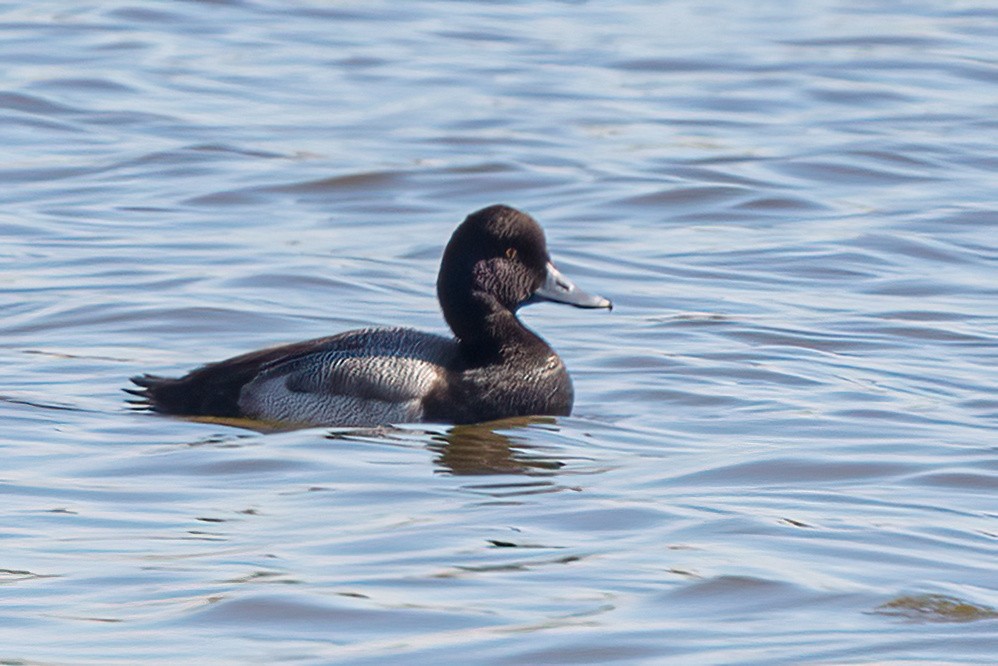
496	261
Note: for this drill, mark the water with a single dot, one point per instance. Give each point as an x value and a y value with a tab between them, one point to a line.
783	448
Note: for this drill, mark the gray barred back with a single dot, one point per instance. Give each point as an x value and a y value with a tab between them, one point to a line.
362	378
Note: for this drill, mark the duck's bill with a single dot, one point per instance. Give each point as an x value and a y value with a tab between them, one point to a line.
560	289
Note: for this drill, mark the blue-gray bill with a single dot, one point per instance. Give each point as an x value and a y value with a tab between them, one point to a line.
560	289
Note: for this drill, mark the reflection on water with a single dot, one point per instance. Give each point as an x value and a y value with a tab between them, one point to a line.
484	449
936	608
782	449
467	450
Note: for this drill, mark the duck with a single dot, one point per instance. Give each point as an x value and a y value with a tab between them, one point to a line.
492	368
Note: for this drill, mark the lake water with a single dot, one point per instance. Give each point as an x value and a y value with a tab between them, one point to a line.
784	442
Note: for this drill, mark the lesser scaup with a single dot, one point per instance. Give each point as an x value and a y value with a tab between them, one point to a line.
496	261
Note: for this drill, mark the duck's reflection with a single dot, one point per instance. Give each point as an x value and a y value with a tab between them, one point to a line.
483	448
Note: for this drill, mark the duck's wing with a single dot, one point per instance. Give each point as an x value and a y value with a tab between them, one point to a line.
369	378
355	365
213	389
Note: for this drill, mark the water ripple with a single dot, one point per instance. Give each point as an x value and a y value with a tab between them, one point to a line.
781	448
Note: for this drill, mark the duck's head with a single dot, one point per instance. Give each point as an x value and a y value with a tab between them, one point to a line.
497	260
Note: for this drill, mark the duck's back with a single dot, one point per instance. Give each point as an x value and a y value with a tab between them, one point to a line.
359	378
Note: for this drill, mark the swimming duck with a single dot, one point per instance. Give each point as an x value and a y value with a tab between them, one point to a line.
495	367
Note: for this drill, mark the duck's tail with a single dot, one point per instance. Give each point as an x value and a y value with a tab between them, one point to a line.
211	390
160	394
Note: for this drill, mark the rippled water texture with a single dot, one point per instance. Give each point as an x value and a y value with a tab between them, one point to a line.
783	448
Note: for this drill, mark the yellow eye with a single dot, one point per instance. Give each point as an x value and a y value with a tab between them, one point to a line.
511	253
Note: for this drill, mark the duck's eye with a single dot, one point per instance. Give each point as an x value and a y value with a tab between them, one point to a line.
511	253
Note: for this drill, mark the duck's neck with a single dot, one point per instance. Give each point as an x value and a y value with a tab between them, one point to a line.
489	332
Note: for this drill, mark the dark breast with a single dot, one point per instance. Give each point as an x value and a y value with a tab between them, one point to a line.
502	390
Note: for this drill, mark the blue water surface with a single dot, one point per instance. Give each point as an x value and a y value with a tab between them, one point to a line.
784	444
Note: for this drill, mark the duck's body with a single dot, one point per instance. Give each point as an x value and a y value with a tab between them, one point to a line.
495	367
